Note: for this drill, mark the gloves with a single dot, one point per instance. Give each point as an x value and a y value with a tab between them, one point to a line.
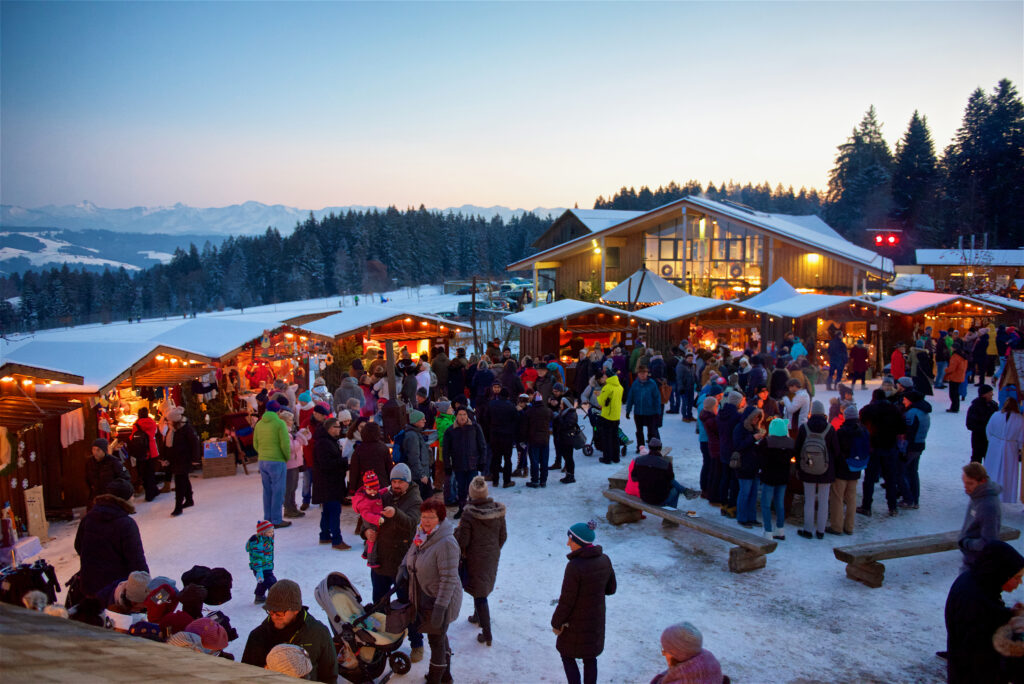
558	630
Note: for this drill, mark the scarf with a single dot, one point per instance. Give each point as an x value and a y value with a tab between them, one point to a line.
421	536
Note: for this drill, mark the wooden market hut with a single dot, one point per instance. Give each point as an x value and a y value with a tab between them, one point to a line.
1014	314
910	312
678	319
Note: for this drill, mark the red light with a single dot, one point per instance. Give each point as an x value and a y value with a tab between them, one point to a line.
892	239
878	239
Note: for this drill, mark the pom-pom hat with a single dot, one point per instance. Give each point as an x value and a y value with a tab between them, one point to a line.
583	533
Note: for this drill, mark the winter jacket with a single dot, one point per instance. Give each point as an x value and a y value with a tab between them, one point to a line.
545	385
777	384
583	375
108	544
645	397
702	668
974	611
328	468
743	441
537	418
502	419
367	507
429	413
774	456
686	377
261	553
797	350
897	365
457	377
657	367
481	534
348	389
298	443
918	418
979	413
98	474
481	384
368	456
416	452
982	521
957	369
304	631
610	399
818	423
846	434
728	418
757	377
653	476
186	448
837	352
884	423
465	448
859	359
270	438
580	614
511	382
709	421
394	534
433	571
149	427
439	365
562	427
798	408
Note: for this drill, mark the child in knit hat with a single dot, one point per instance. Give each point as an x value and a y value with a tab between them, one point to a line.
368	505
289	659
260	548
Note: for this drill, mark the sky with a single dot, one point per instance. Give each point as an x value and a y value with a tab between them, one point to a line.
515	103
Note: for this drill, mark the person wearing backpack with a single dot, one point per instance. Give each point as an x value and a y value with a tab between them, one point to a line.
854	454
817	448
142	447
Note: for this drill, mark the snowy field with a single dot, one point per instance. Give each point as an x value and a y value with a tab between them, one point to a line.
797	620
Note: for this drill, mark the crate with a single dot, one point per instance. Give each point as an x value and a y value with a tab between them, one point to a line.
216	461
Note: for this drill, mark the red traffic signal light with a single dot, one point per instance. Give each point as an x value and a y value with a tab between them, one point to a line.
885	238
878	239
893	239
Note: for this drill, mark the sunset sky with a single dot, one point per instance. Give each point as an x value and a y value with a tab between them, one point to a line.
520	104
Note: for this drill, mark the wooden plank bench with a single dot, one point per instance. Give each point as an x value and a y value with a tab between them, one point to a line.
862	559
749	550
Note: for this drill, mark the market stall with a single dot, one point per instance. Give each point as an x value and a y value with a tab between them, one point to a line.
640	290
910	313
703	321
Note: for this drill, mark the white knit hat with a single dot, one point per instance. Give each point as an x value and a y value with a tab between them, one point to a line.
289	659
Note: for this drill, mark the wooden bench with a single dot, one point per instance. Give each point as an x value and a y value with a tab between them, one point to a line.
862	559
749	550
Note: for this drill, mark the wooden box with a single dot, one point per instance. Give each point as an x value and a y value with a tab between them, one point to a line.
216	461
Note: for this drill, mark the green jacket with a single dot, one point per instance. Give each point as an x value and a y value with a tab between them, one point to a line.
305	631
270	438
634	356
442	422
610	399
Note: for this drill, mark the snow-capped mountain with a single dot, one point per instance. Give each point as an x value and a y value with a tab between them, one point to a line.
249	218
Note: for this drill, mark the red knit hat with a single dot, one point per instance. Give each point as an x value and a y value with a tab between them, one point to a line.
264	526
370	479
214	637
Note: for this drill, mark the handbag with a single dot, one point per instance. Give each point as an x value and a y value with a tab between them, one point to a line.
734	460
398	616
579	440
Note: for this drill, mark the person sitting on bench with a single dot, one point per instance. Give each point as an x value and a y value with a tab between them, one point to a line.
652	479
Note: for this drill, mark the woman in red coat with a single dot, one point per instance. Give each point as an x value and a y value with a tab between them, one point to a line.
897	364
859	364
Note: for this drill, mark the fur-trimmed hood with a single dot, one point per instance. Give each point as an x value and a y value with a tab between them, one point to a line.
485	510
1004	642
114	502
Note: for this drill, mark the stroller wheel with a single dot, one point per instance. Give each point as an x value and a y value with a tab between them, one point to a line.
588	449
399	662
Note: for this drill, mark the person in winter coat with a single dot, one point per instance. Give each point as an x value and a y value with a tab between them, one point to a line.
710	449
821	442
480	386
682	644
975	610
439	365
652	478
645	398
984	514
457	374
941	354
747	433
859	364
289	622
465	452
838	356
918	418
579	618
481	534
897	362
510	380
148	456
1005	432
431	570
182	448
797	404
955	374
774	455
610	401
294	464
728	418
921	368
884	422
369	454
108	542
329	482
778	384
102	468
500	430
416	453
563	426
842	500
537	420
686	381
978	415
274	446
348	389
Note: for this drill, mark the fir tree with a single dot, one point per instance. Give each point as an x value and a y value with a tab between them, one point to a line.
859	183
914	176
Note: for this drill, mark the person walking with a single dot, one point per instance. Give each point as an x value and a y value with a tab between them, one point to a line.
184	447
579	617
273	446
645	398
955	374
978	415
859	364
817	449
1005	432
329	482
465	452
884	422
610	401
838	356
775	453
431	570
481	534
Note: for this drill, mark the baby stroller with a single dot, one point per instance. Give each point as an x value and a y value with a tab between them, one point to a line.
594	416
364	648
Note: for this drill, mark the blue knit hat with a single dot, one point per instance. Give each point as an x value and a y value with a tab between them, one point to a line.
778	428
273	406
583	533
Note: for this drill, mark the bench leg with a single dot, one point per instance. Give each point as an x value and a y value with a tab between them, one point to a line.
618	514
745	560
871	573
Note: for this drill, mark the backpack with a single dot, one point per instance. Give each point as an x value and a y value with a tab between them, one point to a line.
814	454
138	446
860	451
665	391
396	448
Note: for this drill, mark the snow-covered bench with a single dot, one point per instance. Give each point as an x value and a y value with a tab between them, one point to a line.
862	559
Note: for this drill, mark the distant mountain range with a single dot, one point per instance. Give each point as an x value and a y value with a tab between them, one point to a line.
250	218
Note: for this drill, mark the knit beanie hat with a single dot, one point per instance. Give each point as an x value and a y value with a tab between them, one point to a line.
322	410
146	630
583	533
175	622
370	479
319	382
415	416
817	408
289	659
654	443
176	414
159	581
213	636
273	406
906	382
851	412
120	488
137	588
682	641
401	472
160	601
187	640
305	400
264	526
286	415
778	428
283	595
478	488
734	398
218	587
192	598
102	444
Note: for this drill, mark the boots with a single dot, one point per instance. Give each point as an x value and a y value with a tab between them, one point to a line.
483	614
436	673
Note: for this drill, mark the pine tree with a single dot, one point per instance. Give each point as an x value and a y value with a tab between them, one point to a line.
859	183
914	176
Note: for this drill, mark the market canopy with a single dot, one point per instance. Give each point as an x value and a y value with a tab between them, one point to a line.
683	307
564	309
100	364
213	338
911	303
643	288
365	318
773	294
807	304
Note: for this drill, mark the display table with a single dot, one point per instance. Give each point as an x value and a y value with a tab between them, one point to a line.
22	550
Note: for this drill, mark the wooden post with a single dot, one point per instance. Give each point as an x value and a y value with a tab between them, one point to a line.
472	313
603	286
389	362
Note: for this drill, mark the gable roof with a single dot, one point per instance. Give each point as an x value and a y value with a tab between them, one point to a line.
774	293
562	309
683	307
916	302
969	257
597	220
354	319
643	287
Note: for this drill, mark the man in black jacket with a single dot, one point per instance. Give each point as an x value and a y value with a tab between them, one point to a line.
465	452
502	424
102	468
981	409
655	477
884	422
108	541
538	436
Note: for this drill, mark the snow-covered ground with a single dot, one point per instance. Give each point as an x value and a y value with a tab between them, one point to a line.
797	620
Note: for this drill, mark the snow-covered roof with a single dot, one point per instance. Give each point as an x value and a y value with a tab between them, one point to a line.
776	292
212	337
807	304
599	219
99	363
643	287
1004	302
970	257
913	281
682	307
916	302
356	318
562	309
